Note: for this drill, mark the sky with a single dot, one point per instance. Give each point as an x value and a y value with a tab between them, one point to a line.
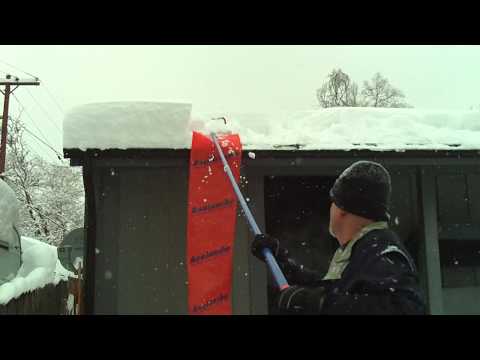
234	78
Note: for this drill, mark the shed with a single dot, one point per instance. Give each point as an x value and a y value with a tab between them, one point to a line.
135	159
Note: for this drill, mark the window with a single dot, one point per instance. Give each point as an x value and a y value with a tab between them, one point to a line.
297	213
460	263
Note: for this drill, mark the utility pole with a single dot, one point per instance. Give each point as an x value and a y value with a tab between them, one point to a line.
8	82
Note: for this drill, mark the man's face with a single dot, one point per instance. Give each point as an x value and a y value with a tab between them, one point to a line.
334	219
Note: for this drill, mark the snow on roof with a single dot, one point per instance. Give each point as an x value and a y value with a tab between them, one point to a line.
167	125
124	125
40	267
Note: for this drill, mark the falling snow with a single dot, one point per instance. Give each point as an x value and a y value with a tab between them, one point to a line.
108	275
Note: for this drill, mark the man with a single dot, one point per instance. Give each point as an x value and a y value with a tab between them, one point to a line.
371	272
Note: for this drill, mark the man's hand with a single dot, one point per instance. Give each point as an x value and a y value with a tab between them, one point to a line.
263	241
302	300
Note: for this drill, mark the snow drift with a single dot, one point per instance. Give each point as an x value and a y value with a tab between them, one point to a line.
40	267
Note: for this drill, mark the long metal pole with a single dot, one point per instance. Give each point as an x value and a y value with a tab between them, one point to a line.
269	258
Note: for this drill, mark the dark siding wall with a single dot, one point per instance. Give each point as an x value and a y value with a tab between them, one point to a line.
141	226
458	193
141	233
452	198
107	190
404	207
473	181
141	238
257	269
242	275
151	224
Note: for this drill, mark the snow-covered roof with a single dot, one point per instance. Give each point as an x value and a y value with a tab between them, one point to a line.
127	125
40	267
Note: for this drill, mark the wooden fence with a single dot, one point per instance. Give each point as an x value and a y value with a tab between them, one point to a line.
49	300
63	299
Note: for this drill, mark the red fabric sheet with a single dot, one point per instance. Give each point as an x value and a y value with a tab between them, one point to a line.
212	210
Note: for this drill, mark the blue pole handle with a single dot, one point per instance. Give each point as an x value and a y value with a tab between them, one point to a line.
269	259
275	269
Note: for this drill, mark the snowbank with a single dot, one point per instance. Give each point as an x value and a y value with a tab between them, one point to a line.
40	267
166	125
9	208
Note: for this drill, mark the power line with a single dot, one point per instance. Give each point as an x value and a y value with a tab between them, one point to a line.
34	99
33	121
36	139
24	127
44	111
17	68
59	156
53	98
43	142
48	116
33	150
36	77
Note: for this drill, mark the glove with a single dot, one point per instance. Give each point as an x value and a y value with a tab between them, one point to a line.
263	241
300	299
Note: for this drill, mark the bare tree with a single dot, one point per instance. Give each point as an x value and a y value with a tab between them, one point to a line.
52	195
339	90
20	174
380	93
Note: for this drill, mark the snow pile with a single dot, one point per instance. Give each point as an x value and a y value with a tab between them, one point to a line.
40	267
166	125
123	125
9	213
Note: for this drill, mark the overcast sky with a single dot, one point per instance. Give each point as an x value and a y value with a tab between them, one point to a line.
228	78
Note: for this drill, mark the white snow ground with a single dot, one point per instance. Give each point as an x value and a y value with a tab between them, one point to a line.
40	267
126	125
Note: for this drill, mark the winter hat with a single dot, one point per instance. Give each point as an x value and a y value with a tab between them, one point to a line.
364	189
